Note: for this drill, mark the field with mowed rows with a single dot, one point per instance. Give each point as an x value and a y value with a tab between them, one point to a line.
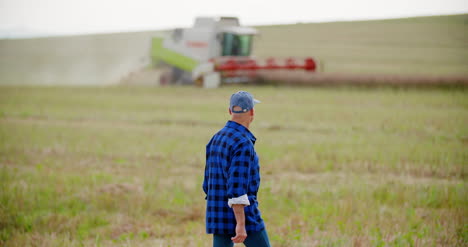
123	166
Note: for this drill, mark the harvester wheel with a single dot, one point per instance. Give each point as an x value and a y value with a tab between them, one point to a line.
199	81
164	78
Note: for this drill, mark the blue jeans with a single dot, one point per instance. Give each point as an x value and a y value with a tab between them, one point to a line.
254	239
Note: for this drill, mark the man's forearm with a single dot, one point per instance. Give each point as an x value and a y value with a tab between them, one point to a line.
239	214
241	234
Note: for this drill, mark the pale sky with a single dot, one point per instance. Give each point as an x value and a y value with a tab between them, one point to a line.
39	17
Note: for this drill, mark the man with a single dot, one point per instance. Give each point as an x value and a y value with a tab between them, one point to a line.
232	179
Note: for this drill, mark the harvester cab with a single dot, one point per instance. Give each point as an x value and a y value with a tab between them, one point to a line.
214	51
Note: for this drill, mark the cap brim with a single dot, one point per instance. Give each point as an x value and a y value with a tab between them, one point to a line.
256	101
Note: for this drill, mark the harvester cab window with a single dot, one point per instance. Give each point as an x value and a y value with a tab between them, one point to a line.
236	45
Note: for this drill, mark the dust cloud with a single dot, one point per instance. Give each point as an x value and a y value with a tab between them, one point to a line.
101	59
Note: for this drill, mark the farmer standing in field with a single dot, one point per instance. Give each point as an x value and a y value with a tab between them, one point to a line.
232	179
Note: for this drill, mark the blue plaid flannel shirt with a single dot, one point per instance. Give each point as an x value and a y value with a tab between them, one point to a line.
231	170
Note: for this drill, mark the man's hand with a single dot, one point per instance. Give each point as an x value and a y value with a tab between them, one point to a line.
241	234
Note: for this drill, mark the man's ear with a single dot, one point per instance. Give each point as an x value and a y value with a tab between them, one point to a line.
252	112
230	112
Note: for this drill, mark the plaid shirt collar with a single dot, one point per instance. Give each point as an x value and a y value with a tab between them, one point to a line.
241	128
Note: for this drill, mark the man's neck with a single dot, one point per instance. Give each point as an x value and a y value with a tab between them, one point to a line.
242	122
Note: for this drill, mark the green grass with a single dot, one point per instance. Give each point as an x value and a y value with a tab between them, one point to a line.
118	166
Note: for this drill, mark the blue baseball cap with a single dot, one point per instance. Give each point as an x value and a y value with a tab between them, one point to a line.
244	100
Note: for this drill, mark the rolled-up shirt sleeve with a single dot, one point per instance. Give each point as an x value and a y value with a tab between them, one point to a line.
244	200
238	180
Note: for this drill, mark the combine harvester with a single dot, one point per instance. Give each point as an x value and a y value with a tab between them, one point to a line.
216	51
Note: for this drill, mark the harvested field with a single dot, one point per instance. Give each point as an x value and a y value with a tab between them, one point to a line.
302	78
123	166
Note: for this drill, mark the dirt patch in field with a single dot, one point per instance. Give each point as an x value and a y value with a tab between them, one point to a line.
301	78
193	213
133	229
123	188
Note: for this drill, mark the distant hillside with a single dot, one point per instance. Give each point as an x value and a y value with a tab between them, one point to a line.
423	45
436	46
